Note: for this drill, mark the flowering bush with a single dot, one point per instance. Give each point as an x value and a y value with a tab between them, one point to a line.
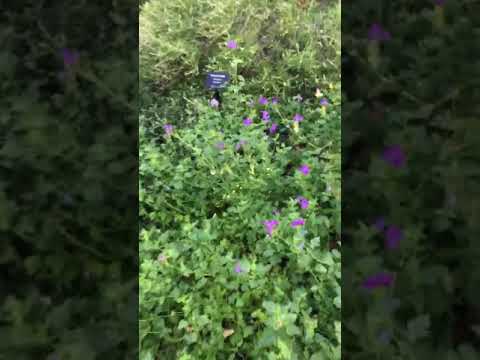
409	174
239	229
275	45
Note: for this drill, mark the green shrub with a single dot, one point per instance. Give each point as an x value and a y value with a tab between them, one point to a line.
282	47
427	110
68	160
202	209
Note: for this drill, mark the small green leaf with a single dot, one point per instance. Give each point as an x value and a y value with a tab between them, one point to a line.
418	328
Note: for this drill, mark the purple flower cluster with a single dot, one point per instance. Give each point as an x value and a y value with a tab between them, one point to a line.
263	100
247	122
304	169
168	129
70	57
324	102
377	33
298	118
238	268
232	44
273	128
303	202
270	226
382	279
393	234
265	116
395	156
297	222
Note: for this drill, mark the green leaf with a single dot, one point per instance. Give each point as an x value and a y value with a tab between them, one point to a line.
267	338
418	328
293	330
285	349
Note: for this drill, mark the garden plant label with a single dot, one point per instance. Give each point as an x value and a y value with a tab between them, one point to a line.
217	80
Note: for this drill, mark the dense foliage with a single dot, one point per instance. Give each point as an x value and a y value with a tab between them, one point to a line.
284	48
411	145
68	155
239	201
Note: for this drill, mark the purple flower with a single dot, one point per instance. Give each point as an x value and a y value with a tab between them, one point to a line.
240	144
395	156
298	118
377	33
265	116
303	202
304	169
231	44
270	226
168	129
238	268
214	103
378	280
275	100
220	145
70	57
247	122
324	102
379	224
439	2
263	100
299	98
273	129
393	235
297	222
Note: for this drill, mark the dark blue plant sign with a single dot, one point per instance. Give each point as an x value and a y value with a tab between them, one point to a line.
217	80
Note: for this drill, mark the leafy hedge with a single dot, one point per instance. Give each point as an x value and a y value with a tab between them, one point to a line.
214	284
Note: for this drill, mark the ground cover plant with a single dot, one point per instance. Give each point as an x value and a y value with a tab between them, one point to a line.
67	289
411	144
239	211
